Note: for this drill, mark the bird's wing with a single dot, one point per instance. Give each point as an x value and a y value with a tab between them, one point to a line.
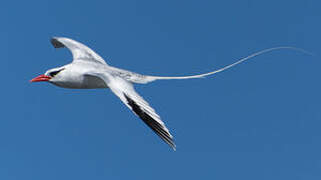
127	94
79	51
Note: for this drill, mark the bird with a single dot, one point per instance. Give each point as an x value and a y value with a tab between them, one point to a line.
88	70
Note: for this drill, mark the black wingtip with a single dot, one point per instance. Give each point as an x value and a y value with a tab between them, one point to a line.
54	41
153	124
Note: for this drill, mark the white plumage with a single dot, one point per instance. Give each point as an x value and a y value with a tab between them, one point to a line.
89	71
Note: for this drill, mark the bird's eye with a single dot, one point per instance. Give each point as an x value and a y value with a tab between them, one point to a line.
54	73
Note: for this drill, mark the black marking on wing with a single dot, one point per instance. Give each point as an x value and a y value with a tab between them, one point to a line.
56	43
149	121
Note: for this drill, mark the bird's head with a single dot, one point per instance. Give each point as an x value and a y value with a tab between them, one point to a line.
51	75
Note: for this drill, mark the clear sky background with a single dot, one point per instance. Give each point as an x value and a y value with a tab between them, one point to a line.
258	120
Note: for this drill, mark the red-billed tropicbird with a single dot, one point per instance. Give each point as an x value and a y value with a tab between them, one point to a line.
89	71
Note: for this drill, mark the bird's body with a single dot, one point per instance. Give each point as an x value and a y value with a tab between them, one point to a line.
74	76
89	71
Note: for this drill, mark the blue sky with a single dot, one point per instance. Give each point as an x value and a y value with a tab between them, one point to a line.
259	120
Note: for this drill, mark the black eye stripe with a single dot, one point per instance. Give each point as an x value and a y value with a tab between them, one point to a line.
54	73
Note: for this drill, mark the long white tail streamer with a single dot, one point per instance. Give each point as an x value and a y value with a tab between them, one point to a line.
153	78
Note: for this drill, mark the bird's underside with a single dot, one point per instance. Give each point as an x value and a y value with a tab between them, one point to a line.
89	70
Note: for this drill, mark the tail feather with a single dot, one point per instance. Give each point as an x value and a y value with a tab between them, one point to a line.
153	78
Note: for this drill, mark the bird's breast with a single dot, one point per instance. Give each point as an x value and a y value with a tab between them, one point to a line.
92	82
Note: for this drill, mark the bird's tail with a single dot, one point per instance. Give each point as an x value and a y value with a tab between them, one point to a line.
153	78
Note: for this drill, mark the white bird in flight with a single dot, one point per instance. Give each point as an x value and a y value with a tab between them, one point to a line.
89	71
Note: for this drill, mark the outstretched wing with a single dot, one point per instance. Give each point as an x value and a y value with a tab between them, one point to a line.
127	94
79	51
